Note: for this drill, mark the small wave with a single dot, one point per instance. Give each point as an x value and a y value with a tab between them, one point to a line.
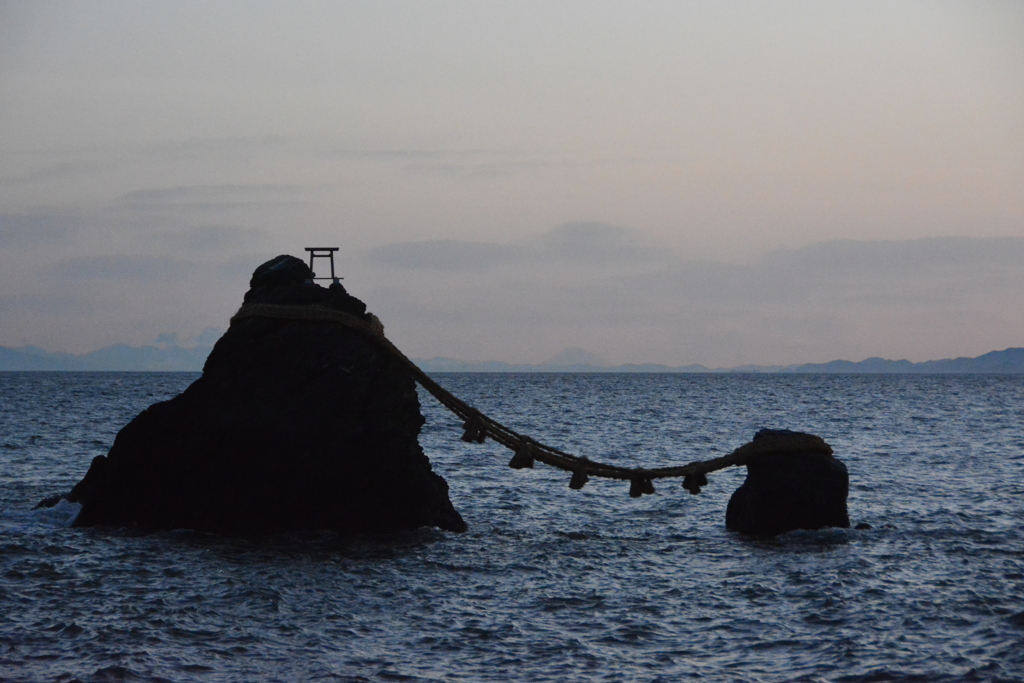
62	514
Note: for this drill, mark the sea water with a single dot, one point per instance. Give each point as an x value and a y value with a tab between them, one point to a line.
548	584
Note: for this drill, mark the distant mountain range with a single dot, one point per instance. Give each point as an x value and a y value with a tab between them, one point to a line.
1009	361
120	357
174	358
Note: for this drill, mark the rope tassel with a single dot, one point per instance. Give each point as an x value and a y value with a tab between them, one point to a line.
693	482
475	431
640	486
579	478
523	459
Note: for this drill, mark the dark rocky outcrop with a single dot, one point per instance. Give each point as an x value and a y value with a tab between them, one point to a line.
793	482
292	425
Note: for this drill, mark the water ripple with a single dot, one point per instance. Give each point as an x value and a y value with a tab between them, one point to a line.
548	584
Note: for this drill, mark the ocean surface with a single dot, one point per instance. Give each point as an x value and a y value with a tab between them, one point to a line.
548	584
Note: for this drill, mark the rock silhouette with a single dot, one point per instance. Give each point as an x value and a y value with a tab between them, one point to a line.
793	482
293	425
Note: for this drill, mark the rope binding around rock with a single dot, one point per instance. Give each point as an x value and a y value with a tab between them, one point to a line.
526	451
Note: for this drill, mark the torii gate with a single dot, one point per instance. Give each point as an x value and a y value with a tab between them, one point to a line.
322	252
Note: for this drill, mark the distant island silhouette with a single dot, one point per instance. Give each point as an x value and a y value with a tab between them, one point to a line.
172	358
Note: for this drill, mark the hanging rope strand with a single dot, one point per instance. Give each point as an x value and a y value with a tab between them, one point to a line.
480	427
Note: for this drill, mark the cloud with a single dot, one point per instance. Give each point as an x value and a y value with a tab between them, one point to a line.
597	243
61	171
890	273
26	230
211	238
463	163
503	167
47	304
409	154
936	298
844	274
587	244
589	285
212	197
934	256
448	255
224	146
477	163
208	336
166	339
484	169
200	193
122	268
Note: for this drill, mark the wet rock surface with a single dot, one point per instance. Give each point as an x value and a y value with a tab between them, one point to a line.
793	482
293	425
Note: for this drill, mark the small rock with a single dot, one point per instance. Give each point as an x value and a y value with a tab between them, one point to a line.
793	482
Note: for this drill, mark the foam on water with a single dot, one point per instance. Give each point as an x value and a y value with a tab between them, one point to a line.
62	515
548	584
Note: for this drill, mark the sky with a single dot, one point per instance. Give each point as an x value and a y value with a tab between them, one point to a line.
667	182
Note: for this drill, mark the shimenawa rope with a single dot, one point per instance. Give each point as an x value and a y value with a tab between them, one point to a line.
527	451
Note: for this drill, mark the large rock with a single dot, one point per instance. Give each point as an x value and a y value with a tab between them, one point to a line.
293	425
793	482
